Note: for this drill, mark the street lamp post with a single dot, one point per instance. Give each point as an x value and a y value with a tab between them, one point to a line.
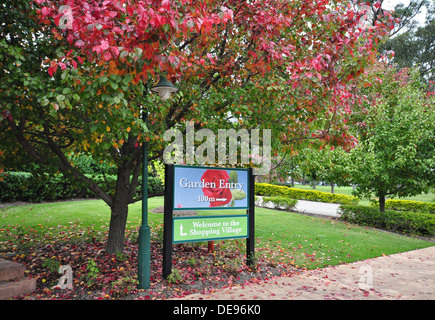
164	88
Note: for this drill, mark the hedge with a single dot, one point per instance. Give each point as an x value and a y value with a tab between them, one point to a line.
408	205
281	202
404	222
265	189
23	186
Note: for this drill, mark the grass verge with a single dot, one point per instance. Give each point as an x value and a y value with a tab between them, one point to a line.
305	241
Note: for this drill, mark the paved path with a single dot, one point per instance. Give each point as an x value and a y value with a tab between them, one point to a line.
404	276
317	208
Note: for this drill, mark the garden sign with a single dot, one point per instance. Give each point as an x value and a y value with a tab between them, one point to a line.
207	188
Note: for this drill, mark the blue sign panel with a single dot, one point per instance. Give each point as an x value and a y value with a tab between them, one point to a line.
205	188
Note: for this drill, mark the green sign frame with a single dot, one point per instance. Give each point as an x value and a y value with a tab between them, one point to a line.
210	228
207	227
210	188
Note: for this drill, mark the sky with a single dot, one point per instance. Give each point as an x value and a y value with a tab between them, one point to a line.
390	4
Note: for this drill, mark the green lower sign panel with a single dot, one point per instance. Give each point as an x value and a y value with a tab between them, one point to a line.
207	228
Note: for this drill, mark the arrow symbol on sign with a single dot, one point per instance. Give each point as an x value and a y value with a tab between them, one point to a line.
221	199
181	231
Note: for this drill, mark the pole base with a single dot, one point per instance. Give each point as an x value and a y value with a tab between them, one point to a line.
144	257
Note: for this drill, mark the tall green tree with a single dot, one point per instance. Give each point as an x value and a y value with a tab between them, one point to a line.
396	151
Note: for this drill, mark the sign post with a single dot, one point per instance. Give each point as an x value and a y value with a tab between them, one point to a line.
250	241
167	220
207	188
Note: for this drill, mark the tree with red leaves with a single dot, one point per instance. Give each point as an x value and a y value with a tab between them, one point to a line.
288	66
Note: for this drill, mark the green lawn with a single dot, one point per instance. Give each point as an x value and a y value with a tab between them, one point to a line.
307	241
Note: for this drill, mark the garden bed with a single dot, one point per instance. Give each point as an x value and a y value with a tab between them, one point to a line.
97	275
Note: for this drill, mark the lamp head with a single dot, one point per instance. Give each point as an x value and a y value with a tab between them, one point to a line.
164	88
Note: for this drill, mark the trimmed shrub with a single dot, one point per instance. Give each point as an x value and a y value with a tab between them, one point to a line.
155	185
265	189
281	202
408	205
390	220
23	186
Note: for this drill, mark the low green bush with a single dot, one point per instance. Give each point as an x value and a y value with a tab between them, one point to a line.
281	202
408	205
265	189
23	186
404	222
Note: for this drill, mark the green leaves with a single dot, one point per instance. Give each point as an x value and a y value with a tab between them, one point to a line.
397	148
60	98
114	85
76	97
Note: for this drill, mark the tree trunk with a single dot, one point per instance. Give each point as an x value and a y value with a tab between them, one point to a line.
332	187
118	220
314	177
119	212
382	202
